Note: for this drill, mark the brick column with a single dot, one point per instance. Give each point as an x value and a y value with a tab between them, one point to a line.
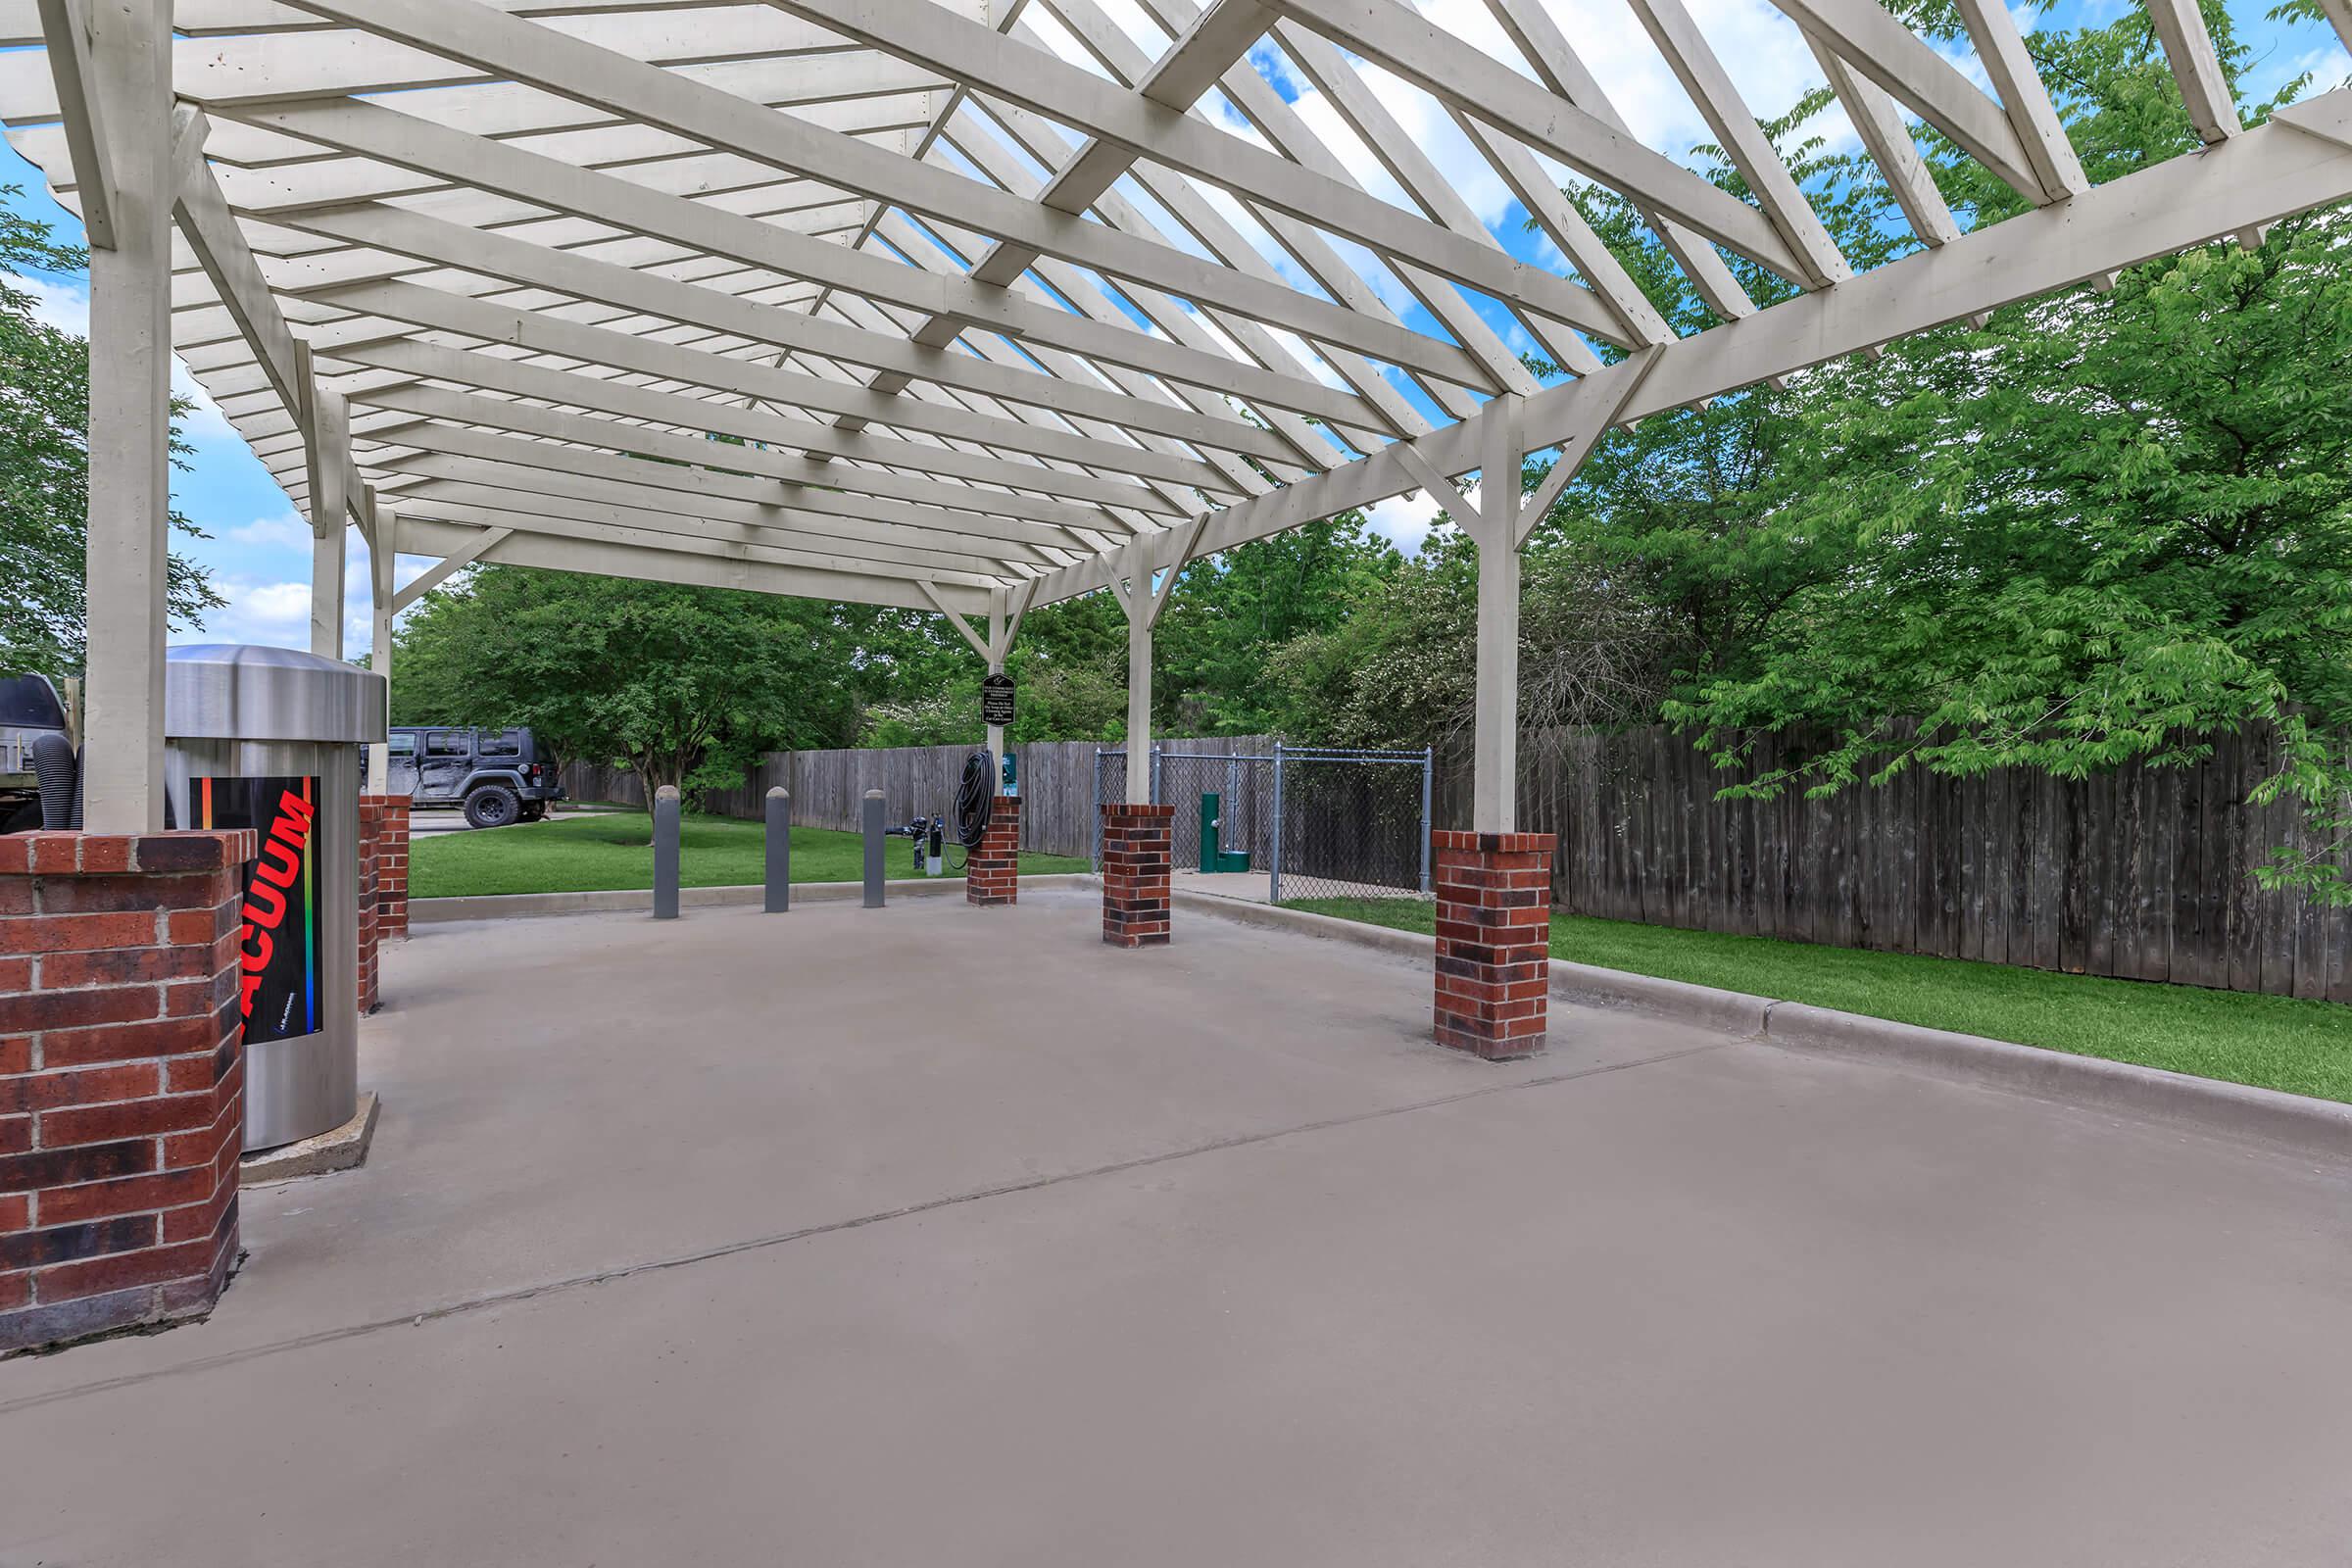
392	871
993	870
372	827
1135	874
121	1079
1493	941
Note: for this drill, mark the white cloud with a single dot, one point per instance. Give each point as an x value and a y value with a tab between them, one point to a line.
61	305
1404	520
275	612
286	531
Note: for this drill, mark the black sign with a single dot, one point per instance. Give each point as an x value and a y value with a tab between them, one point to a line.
278	945
995	700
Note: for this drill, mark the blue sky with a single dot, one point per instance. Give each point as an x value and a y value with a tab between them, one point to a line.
259	549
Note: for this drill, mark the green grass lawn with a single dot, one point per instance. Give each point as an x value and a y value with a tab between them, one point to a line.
2272	1041
614	849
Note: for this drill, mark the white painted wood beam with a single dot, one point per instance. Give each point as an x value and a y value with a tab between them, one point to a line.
2299	160
534	510
2188	49
525	51
755	521
1537	37
1899	60
1034	78
546	334
450	564
66	33
129	404
1483	87
2001	51
808	479
461	367
1694	62
610	558
1887	137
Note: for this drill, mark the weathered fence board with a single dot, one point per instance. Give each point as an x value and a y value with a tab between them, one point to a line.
2144	874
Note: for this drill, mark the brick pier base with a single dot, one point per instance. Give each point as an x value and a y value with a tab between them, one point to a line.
993	870
1493	942
121	1079
392	868
1136	853
372	825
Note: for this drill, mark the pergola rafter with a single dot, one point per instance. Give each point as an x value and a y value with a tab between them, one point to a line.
888	300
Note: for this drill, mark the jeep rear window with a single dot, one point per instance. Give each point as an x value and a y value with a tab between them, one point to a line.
506	745
445	743
27	700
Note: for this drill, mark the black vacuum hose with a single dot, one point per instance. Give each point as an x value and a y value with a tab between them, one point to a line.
975	800
57	768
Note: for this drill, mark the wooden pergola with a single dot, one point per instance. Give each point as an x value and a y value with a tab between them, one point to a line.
973	306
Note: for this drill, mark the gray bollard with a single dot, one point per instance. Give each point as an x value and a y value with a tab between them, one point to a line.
779	850
665	853
873	848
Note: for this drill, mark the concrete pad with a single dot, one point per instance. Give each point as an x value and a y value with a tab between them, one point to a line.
710	1241
337	1149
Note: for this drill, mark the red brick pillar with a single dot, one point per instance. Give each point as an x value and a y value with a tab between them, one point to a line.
392	871
1493	942
372	827
121	1079
993	870
1135	874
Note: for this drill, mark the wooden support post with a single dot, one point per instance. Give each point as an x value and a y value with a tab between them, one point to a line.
383	545
329	508
130	422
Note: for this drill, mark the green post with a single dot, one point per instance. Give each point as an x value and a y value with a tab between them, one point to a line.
1208	832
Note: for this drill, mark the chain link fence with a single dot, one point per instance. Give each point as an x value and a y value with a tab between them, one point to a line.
1311	822
1352	825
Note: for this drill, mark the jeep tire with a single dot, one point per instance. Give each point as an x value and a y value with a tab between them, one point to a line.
492	805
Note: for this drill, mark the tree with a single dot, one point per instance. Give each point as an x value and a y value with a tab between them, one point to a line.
685	686
45	469
2100	528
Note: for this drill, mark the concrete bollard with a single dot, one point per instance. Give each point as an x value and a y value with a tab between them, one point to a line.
665	853
779	850
872	823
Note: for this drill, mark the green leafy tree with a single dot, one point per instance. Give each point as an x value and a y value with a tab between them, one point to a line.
686	686
2100	528
45	469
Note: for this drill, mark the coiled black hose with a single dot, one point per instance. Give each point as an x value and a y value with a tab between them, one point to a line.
975	800
58	769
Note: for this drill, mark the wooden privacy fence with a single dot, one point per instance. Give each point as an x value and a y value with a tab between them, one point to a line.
1057	779
2143	873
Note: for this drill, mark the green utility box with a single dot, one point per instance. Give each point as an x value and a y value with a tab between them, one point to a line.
1212	856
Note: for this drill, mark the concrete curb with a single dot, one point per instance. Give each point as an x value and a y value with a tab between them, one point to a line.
343	1148
640	901
2316	1128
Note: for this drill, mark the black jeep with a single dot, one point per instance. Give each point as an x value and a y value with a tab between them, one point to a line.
496	774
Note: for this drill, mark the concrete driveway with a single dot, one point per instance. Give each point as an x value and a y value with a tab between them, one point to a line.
937	1236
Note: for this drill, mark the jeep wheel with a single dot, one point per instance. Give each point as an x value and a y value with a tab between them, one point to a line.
492	805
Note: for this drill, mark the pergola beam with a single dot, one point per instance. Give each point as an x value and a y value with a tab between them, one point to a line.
79	103
464	30
2298	159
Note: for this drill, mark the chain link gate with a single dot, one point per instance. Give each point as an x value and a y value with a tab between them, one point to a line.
1317	823
1350	825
